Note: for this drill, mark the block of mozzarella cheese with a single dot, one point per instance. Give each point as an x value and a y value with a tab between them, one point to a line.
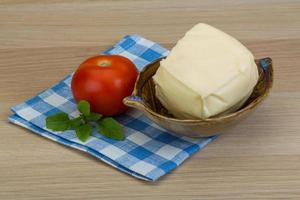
207	72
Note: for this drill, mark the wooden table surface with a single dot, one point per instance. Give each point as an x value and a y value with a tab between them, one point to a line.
42	41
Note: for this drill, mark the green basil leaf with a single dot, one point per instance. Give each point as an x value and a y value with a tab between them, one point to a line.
83	132
110	128
58	122
76	122
93	117
84	107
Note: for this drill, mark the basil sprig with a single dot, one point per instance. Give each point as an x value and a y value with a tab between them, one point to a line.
85	123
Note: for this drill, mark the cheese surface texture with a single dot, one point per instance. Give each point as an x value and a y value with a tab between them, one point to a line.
207	72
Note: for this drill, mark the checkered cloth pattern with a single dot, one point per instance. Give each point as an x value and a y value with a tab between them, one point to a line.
148	152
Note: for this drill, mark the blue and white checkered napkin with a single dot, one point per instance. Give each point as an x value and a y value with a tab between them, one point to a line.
148	151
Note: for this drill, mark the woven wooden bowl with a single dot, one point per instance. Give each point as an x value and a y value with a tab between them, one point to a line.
144	99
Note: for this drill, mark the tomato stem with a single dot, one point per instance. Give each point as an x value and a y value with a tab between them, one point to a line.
104	63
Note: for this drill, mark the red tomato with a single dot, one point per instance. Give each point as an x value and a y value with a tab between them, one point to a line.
104	81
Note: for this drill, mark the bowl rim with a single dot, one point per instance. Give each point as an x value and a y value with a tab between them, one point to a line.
216	119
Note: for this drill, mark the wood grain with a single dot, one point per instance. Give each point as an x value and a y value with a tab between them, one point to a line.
42	41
